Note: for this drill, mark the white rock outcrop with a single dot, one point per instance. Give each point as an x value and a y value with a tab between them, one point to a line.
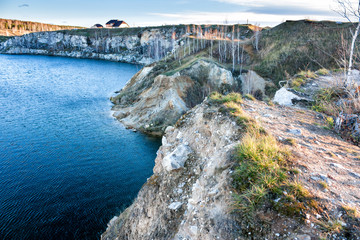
133	48
176	158
175	205
285	97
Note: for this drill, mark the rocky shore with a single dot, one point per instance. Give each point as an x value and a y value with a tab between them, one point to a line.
192	193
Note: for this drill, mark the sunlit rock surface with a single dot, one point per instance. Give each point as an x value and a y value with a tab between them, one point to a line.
140	46
189	200
151	102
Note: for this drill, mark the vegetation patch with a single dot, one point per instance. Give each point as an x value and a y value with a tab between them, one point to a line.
331	225
290	141
231	105
216	97
325	101
349	221
259	169
263	178
351	211
329	122
307	74
249	97
296	45
324	185
302	78
322	72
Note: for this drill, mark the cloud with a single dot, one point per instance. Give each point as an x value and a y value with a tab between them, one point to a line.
264	19
263	12
24	5
322	7
288	10
263	3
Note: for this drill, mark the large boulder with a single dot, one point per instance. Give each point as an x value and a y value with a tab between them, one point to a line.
353	78
210	74
288	97
348	127
252	83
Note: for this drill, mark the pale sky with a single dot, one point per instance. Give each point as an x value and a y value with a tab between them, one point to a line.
159	12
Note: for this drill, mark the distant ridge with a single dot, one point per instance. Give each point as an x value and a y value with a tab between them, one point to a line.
9	27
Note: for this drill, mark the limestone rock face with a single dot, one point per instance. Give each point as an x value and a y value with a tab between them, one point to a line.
191	200
137	47
157	106
151	101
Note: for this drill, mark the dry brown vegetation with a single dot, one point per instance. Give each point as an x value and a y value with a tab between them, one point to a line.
10	27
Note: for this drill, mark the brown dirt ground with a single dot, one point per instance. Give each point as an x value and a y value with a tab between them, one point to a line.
320	155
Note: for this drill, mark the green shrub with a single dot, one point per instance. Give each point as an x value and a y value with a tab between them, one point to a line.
322	72
325	101
307	74
351	211
301	78
297	82
324	185
250	97
231	97
331	225
330	122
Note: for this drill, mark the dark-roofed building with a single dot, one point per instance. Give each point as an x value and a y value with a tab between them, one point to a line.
116	24
111	22
97	26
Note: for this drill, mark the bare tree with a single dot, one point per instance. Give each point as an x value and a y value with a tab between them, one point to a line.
349	11
257	37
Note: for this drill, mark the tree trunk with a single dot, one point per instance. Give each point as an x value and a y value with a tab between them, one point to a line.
352	52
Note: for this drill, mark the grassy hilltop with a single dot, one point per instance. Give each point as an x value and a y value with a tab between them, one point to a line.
9	27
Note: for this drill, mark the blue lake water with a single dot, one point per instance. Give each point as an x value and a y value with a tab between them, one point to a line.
66	166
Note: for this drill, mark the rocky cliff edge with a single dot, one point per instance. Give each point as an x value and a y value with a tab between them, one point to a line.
154	98
188	195
192	194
